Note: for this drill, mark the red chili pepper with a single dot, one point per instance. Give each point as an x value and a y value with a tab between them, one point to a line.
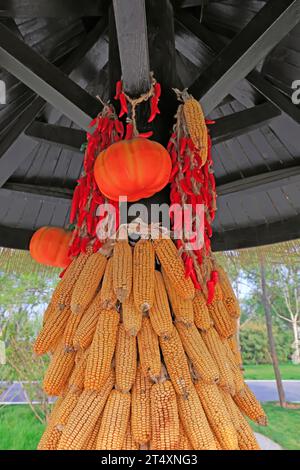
188	266
97	245
118	89
146	135
210	291
119	127
214	276
75	204
185	187
195	280
129	131
183	144
209	121
84	244
174	172
123	103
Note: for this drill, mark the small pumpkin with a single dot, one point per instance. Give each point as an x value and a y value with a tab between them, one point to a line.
50	245
136	168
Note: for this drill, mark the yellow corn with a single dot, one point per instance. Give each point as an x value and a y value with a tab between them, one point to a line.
173	265
233	344
87	326
195	348
59	371
250	406
64	290
196	125
51	332
132	317
217	415
160	315
164	416
50	311
107	294
238	378
125	360
225	325
71	328
229	297
143	275
149	350
182	308
129	443
57	426
140	408
76	381
84	417
44	441
217	351
183	441
92	440
122	269
114	421
176	362
195	422
102	350
88	282
202	317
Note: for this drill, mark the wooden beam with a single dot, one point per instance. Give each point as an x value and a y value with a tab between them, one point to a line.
206	37
260	182
47	80
52	8
15	146
241	122
44	193
265	234
66	137
131	25
17	238
244	52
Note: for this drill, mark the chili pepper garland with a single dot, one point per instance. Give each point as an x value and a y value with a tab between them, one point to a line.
106	129
192	182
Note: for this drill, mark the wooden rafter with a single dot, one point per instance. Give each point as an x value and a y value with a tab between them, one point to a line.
68	138
52	8
244	52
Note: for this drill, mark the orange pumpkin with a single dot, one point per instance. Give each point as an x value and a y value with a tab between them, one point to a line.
136	168
49	246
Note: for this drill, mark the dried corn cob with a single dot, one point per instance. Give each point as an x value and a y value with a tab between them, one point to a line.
160	315
217	415
182	308
122	269
202	317
102	350
84	417
132	317
195	422
71	328
176	362
183	441
198	353
172	263
59	371
51	333
225	324
229	297
64	291
114	421
233	344
250	406
44	441
87	326
164	416
149	350
76	381
143	275
196	125
129	443
125	360
88	282
238	378
217	351
140	408
107	294
61	419
92	440
50	311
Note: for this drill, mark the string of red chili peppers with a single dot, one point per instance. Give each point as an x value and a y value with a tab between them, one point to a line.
193	182
106	129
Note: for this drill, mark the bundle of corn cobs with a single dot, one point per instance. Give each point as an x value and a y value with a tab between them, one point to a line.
138	359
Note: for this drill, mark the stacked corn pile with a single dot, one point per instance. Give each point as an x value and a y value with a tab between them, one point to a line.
138	359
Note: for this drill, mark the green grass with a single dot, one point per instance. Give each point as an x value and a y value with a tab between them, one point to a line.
19	429
283	427
266	372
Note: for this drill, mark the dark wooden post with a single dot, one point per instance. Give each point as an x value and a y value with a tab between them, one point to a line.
272	347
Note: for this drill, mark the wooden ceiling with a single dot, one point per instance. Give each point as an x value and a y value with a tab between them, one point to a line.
239	61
